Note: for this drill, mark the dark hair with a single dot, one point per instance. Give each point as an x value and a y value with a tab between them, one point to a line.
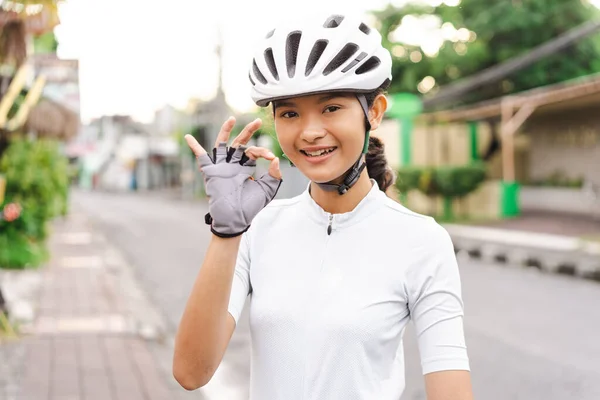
377	165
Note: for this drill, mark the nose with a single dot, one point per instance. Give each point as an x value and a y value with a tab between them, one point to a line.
313	131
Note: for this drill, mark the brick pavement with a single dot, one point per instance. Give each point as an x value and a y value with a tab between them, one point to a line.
82	344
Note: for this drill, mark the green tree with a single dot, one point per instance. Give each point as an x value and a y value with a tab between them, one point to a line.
268	129
37	179
498	30
45	43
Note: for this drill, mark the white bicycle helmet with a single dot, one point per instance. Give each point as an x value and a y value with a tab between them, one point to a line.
335	54
339	53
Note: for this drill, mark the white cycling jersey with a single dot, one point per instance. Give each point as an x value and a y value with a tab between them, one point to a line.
328	311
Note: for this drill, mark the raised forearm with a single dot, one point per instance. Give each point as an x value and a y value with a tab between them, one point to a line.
204	331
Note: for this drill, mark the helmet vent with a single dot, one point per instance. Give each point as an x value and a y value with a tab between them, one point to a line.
369	65
270	60
343	56
291	52
333	21
261	78
315	54
251	80
364	29
270	34
355	61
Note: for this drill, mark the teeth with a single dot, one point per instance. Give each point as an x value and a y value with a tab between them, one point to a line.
319	152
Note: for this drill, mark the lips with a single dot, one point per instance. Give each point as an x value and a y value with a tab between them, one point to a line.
318	152
318	155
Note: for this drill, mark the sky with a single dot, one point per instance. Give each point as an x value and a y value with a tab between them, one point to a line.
137	56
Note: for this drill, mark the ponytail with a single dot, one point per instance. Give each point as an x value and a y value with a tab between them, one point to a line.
377	165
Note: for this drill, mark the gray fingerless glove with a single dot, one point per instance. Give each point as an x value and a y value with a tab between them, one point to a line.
234	196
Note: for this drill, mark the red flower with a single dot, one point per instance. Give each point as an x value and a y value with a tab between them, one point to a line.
12	212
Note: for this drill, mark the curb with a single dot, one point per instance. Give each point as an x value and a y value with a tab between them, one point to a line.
549	253
21	289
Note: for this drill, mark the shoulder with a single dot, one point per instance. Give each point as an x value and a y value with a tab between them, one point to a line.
280	205
275	209
422	231
400	211
428	245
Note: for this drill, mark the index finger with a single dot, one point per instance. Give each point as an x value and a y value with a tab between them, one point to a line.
225	131
195	146
244	137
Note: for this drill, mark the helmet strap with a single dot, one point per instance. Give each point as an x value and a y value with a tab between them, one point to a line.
351	176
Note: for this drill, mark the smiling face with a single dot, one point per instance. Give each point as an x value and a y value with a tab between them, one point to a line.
323	135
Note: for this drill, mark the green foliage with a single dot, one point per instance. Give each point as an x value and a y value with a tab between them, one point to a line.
45	43
268	129
503	30
560	179
417	178
37	179
408	179
18	251
459	181
446	181
428	182
19	100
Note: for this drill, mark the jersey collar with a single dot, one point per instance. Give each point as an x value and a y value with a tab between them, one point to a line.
371	202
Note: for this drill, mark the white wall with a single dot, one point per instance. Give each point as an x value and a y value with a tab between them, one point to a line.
568	142
564	200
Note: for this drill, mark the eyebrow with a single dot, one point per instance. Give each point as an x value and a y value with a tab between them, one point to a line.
332	96
323	99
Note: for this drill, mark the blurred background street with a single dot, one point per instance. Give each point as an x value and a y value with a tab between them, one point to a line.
493	129
530	335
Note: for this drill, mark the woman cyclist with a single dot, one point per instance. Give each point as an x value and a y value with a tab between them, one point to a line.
333	275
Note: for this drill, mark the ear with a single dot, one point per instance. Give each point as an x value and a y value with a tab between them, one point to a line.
377	111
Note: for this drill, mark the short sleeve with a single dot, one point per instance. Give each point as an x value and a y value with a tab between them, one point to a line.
240	288
435	303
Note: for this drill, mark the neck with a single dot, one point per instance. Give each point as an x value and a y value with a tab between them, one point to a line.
334	203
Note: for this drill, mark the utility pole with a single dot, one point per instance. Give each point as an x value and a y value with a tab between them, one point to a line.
220	103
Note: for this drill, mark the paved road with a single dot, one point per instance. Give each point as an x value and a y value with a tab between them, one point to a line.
530	336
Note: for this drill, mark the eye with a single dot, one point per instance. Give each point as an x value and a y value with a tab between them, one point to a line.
288	114
332	108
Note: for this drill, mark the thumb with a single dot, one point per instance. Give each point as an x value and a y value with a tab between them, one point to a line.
274	170
194	145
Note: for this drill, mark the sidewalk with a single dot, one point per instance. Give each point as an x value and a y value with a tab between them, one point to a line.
551	223
558	243
86	342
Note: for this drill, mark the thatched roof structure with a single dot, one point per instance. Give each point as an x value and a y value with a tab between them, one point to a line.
35	17
50	119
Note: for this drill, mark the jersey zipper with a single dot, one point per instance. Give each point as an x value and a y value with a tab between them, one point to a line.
314	308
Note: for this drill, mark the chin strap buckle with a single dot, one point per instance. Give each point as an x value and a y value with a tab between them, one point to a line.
352	177
342	189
